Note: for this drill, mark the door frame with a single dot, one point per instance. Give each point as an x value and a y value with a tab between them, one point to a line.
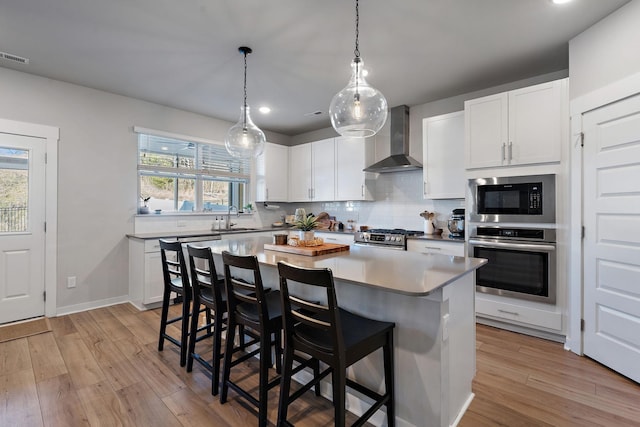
50	136
608	94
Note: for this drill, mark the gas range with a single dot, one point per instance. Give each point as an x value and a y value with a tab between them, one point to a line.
385	238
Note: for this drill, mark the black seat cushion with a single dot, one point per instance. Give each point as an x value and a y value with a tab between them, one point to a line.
355	329
274	307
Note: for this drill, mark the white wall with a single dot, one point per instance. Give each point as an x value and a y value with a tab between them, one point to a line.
97	182
606	52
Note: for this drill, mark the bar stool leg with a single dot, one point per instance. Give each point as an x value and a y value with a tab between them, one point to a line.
265	362
193	333
184	333
339	394
285	386
163	319
217	344
388	379
226	368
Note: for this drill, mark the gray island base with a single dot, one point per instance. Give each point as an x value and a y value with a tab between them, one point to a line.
430	298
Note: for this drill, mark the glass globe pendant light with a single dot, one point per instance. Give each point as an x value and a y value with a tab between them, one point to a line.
358	110
244	139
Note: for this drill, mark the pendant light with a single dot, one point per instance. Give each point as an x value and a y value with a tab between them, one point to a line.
358	110
245	139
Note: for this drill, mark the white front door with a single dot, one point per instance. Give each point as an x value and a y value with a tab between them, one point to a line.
22	237
612	236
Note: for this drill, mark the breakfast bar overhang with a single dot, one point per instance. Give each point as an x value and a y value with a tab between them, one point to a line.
430	298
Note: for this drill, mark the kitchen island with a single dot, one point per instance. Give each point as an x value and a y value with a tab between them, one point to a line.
430	298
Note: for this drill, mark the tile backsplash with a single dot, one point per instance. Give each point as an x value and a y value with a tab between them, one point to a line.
398	204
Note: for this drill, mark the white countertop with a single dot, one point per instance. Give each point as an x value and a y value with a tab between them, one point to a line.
402	272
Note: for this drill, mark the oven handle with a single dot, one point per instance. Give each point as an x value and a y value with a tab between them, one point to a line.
518	246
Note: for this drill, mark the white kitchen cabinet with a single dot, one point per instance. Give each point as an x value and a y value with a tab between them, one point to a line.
272	174
341	238
443	163
312	171
352	156
523	126
518	312
443	247
146	284
323	157
300	165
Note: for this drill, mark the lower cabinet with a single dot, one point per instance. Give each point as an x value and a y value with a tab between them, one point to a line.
341	238
443	247
522	313
146	283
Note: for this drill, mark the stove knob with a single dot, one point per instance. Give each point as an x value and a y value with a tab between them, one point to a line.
398	238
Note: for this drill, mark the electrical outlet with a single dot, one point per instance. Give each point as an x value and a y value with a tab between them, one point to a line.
71	282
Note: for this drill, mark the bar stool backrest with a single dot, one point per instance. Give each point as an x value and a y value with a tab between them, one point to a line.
174	267
314	326
204	275
247	293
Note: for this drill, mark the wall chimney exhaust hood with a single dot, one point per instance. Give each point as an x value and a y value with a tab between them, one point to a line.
399	160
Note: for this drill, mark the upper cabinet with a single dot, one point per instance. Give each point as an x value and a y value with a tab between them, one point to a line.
272	174
352	155
442	148
519	127
312	171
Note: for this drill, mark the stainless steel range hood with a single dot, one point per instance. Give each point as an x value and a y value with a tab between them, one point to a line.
399	160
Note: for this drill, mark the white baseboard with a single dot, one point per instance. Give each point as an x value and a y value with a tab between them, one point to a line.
76	308
463	410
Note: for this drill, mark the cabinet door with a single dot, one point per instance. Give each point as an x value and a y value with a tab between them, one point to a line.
300	173
443	165
272	174
324	173
536	123
153	280
486	130
351	157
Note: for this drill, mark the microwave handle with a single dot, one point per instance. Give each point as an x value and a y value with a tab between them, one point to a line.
509	245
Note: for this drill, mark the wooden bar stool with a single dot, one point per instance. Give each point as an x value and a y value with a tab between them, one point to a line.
176	279
258	311
334	336
208	291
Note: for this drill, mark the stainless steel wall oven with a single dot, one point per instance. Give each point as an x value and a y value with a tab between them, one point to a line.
522	262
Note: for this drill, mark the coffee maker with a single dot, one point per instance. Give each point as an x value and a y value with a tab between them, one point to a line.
456	224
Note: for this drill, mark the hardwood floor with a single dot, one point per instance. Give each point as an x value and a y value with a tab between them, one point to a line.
102	368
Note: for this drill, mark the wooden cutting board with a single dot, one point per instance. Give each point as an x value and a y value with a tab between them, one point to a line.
326	248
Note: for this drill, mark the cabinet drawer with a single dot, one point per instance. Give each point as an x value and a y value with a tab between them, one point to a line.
518	314
152	245
345	239
436	247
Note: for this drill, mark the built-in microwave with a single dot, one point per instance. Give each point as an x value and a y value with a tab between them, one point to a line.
523	199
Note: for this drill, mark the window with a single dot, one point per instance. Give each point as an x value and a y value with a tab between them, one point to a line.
14	189
187	176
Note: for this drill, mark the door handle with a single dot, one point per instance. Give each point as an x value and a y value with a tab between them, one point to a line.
510	151
503	152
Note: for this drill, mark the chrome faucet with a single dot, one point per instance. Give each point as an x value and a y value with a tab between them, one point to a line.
229	224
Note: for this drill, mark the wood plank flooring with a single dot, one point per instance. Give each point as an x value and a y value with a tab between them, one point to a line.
102	368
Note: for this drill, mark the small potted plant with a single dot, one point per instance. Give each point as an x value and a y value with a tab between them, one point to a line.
144	209
306	225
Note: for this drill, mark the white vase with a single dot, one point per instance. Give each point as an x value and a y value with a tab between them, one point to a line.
306	235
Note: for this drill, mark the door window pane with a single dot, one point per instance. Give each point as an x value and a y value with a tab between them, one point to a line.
14	190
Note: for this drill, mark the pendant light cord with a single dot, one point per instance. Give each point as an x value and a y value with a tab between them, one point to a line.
356	51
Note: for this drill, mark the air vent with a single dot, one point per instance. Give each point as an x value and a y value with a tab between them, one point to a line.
14	58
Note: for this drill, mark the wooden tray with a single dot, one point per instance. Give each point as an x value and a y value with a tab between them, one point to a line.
323	249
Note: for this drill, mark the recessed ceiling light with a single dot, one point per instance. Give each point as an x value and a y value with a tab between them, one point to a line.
560	1
264	110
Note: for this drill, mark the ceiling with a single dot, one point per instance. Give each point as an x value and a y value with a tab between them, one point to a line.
184	54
